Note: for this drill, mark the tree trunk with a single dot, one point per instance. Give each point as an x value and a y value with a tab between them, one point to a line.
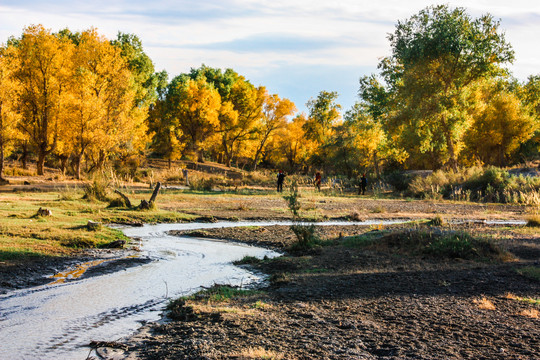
2	179
452	162
40	162
78	160
376	164
24	158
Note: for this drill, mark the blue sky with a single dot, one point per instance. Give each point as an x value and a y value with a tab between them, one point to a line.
295	48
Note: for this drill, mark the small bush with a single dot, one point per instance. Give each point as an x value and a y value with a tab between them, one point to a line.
248	260
202	184
221	293
533	221
398	180
117	203
96	190
436	221
306	236
437	244
178	310
532	272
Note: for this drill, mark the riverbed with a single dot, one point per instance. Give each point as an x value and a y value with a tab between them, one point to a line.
58	320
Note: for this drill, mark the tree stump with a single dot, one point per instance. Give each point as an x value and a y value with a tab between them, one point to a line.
93	225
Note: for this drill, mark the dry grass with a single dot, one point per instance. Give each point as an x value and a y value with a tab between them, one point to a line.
484	304
531	313
356	215
533	221
258	353
523	299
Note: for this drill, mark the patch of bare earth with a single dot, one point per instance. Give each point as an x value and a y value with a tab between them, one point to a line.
351	303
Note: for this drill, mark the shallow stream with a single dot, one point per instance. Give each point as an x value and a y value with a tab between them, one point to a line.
58	321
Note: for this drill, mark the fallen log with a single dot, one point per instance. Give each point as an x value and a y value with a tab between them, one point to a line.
126	199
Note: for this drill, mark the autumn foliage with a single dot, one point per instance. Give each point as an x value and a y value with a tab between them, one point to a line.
442	99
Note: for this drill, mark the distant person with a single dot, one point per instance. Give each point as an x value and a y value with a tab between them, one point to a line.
280	179
185	173
363	185
318	180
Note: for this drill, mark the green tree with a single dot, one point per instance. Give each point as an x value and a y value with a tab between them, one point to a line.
146	81
324	115
436	54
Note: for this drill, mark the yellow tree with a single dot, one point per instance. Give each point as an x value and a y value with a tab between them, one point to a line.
501	124
295	145
101	99
44	66
247	101
274	117
8	111
196	107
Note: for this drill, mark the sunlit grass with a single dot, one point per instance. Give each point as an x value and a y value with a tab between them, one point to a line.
532	272
23	234
258	353
484	304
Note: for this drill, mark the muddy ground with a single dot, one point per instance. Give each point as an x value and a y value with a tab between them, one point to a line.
339	302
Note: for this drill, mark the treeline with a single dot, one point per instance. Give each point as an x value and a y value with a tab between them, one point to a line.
442	99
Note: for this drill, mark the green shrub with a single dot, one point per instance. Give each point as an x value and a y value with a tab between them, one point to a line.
433	243
398	180
532	272
96	190
221	293
202	184
306	236
248	260
436	221
533	221
178	310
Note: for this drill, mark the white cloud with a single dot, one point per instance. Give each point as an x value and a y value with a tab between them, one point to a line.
269	40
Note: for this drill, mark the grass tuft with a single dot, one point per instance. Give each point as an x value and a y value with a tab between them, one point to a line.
258	353
434	243
221	293
533	221
484	304
532	272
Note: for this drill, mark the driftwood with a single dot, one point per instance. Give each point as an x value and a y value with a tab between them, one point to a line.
145	205
154	194
126	199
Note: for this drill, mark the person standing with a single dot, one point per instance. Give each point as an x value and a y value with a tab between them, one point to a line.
363	185
318	180
280	180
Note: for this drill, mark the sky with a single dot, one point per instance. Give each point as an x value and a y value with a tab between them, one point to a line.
295	48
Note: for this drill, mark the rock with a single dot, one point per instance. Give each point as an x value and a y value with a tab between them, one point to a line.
93	225
44	212
118	244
